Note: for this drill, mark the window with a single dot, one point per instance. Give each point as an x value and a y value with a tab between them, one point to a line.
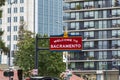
102	65
16	1
73	65
21	9
15	10
21	1
21	18
86	14
72	15
15	28
9	10
86	65
77	26
72	6
115	33
15	19
89	24
88	44
91	14
102	34
91	54
8	1
8	38
9	19
77	16
91	64
102	45
72	26
105	14
89	34
104	24
15	46
8	28
115	43
15	37
96	14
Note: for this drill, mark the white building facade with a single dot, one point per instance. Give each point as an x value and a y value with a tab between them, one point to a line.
28	10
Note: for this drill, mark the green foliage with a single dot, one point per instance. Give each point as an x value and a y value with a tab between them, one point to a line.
50	63
2	2
1	32
78	6
0	14
2	44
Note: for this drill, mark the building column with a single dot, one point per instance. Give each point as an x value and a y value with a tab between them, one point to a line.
99	75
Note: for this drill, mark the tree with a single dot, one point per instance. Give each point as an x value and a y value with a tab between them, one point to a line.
2	2
50	63
2	44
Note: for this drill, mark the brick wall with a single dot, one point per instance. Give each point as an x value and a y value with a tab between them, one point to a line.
2	77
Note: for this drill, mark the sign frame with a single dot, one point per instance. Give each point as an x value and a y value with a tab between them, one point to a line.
71	43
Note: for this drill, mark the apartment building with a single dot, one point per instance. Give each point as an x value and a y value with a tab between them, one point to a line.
38	16
98	22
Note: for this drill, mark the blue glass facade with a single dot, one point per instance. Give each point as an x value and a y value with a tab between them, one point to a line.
49	13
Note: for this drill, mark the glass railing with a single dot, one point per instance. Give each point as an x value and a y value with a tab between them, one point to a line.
78	7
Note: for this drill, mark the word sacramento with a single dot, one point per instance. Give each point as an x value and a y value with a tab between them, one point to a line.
66	46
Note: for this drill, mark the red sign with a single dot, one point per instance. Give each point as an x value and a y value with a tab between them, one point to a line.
69	43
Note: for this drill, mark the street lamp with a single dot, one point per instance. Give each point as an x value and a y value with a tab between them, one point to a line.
10	52
1	53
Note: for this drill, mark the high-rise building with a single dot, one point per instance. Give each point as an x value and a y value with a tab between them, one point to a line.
49	17
98	22
39	16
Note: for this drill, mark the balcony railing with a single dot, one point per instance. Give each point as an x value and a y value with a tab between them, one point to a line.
116	4
115	46
116	25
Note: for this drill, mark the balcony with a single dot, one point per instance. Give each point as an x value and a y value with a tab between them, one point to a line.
116	25
68	18
88	27
115	36
88	47
90	58
89	37
88	17
115	46
65	8
115	57
116	3
75	58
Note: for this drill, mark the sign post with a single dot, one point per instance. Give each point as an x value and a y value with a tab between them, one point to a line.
61	43
66	43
